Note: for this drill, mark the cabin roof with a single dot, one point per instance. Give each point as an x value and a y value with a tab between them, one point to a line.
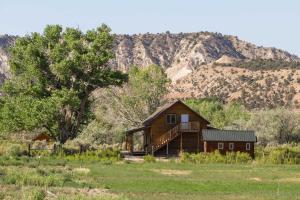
165	107
133	130
228	135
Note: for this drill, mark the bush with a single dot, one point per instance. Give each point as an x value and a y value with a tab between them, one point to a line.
108	155
149	159
14	150
243	157
216	157
284	154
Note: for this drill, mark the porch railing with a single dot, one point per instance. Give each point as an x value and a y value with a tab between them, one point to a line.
189	126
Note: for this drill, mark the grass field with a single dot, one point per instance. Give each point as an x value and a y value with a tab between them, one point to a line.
57	179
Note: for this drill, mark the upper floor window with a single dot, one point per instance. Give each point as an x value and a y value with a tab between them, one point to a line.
171	118
248	146
231	146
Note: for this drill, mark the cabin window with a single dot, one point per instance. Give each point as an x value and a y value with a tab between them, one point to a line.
171	118
248	147
220	145
231	146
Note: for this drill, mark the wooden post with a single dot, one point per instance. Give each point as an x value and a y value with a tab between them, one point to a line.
205	146
80	149
168	149
181	142
152	151
198	142
29	147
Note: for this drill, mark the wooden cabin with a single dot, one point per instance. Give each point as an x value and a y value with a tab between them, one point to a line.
174	128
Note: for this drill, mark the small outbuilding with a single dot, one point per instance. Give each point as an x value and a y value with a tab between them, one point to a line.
229	141
42	137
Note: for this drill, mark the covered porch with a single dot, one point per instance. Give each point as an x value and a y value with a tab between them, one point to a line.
134	134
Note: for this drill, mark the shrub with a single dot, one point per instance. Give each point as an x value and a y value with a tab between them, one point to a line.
216	157
243	157
281	154
108	155
14	150
149	159
36	194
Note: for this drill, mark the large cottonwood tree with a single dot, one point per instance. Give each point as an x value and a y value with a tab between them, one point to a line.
52	77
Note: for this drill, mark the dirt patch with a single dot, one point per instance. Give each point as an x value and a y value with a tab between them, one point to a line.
54	193
82	170
290	180
255	179
171	172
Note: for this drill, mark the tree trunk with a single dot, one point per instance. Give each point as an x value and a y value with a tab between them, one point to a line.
81	113
65	124
69	126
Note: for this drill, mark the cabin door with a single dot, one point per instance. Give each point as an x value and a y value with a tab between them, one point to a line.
184	121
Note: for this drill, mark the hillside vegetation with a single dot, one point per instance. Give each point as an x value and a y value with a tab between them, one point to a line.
254	87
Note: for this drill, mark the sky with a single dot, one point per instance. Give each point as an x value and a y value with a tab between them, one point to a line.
270	23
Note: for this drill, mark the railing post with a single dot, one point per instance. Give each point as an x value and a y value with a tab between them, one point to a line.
168	149
152	150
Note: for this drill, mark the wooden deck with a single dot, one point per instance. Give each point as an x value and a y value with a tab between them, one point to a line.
190	127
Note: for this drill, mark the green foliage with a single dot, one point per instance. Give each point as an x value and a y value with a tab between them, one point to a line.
141	96
8	148
36	194
264	64
268	64
117	109
149	159
14	150
53	75
219	114
216	157
277	126
32	178
283	154
106	156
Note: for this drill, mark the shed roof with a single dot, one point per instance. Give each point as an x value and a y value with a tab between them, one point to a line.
41	136
165	107
228	135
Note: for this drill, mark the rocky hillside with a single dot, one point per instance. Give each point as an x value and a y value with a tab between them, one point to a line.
5	42
181	54
256	89
197	63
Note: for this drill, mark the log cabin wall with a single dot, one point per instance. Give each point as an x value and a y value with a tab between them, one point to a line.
159	125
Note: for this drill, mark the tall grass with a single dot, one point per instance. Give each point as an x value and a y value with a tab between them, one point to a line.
216	157
280	154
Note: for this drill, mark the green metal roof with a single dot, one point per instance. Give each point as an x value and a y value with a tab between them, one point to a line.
228	135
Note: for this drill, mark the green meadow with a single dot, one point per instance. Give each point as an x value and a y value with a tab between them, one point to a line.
53	178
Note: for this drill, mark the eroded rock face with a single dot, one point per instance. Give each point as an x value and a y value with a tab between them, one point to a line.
5	42
188	60
180	54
